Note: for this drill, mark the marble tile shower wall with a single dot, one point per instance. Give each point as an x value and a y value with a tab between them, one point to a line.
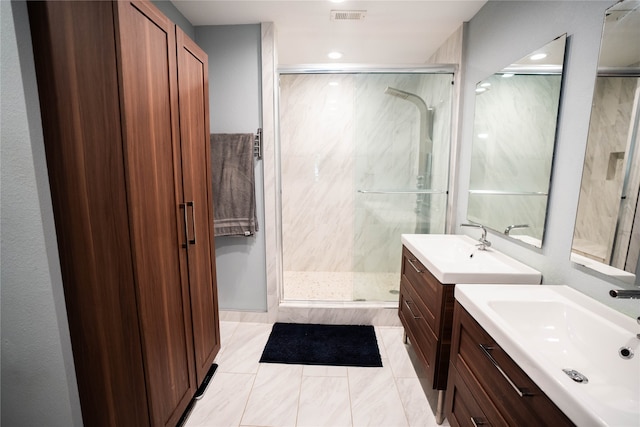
317	156
514	154
340	134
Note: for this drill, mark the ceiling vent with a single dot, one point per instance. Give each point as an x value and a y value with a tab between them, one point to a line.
348	15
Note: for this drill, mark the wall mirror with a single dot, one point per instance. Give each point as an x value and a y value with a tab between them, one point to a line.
514	135
606	238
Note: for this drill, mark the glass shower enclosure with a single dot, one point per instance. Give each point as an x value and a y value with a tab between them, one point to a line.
364	158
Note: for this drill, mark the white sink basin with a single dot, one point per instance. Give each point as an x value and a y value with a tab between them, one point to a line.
546	329
453	258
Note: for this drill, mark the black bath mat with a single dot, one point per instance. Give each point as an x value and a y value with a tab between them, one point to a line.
309	344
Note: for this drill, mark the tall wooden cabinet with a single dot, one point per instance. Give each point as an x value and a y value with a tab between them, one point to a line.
124	104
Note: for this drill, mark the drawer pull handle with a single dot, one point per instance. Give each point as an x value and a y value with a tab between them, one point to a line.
413	265
411	311
477	421
486	349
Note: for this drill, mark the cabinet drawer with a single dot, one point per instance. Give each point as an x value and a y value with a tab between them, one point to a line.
465	410
424	285
422	337
498	381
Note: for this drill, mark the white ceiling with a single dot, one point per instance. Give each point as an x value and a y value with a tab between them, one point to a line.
392	32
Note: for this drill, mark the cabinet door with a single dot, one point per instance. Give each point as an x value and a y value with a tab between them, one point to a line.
193	92
146	43
75	57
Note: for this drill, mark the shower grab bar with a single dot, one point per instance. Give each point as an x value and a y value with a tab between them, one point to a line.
403	192
509	193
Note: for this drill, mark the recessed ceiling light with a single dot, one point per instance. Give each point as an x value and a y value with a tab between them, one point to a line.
335	55
334	84
538	56
481	89
336	1
485	84
483	135
507	75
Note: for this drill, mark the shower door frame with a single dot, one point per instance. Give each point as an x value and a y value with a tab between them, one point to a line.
451	69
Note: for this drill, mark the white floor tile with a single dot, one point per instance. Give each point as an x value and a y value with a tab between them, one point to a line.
243	351
224	402
274	398
381	346
246	393
324	401
226	332
416	406
397	353
324	371
374	398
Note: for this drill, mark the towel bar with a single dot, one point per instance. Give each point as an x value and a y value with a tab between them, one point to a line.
257	144
403	191
508	193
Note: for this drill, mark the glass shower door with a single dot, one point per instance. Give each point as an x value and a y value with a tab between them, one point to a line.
359	166
402	139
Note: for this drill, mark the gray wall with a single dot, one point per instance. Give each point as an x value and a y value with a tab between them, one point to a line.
38	377
235	107
500	33
178	18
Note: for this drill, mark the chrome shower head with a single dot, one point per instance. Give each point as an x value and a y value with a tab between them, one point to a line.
397	92
411	97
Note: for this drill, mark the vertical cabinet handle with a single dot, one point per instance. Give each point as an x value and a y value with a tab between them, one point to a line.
185	225
193	222
486	349
185	219
477	421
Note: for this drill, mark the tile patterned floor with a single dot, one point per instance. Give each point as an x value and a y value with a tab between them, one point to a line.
340	286
244	392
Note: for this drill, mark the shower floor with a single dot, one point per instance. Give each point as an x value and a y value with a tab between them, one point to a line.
340	286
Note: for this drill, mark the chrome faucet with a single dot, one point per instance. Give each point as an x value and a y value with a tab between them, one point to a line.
625	293
484	243
511	227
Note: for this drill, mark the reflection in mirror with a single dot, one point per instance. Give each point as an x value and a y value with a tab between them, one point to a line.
607	233
513	142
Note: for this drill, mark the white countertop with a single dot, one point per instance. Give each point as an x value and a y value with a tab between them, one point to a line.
546	328
453	258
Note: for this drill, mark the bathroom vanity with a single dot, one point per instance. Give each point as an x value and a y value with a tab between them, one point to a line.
541	355
432	265
486	387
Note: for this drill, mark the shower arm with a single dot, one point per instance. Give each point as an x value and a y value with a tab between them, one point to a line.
426	145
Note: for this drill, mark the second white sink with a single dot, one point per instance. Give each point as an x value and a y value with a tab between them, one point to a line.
547	329
453	258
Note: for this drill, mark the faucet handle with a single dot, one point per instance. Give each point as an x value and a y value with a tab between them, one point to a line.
484	243
511	227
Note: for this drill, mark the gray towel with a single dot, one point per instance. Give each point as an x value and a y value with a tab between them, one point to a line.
234	197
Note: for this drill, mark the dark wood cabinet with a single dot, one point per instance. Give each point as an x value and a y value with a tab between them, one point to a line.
486	387
426	310
193	91
124	104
